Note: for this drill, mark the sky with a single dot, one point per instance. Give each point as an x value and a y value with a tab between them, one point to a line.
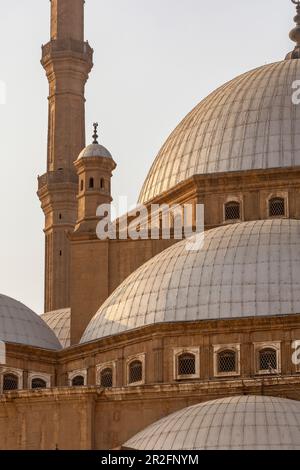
154	61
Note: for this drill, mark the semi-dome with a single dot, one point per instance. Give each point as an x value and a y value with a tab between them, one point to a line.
19	324
60	323
237	423
249	123
250	269
95	150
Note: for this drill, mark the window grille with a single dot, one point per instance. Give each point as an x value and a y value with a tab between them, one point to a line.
187	364
227	362
78	381
277	207
135	372
232	211
10	382
268	360
38	383
106	378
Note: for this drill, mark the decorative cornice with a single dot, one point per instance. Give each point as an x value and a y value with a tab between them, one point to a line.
207	183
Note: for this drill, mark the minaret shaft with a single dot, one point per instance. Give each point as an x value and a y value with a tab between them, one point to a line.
67	60
67	19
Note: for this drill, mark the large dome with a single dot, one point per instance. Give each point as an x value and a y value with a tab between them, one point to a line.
19	324
238	423
249	269
249	123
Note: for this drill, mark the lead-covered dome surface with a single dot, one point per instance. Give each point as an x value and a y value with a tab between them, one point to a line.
95	150
60	323
250	269
237	423
19	324
249	123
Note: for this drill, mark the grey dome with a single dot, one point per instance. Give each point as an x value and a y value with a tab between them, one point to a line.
60	323
95	150
249	123
249	269
238	423
19	324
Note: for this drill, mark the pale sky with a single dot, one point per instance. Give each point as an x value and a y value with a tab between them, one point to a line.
154	61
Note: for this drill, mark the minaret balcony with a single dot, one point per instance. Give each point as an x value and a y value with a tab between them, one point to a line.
62	46
56	177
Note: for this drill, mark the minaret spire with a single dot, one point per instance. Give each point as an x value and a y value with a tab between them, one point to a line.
295	34
95	136
67	60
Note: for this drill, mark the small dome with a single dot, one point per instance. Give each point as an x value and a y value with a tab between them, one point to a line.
60	323
250	269
19	324
250	123
237	423
95	150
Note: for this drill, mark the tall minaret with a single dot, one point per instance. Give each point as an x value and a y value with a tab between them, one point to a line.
67	60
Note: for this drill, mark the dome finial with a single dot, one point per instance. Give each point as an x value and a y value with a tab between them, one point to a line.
295	33
95	136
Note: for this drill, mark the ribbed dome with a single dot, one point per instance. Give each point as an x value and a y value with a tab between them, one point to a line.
95	150
238	423
19	324
243	270
60	323
249	123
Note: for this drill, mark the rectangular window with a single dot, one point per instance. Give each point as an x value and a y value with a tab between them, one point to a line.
227	360
232	211
186	363
267	358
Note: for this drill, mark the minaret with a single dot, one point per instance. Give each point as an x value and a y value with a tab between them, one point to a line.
67	60
94	168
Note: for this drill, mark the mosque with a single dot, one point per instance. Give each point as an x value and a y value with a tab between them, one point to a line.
144	344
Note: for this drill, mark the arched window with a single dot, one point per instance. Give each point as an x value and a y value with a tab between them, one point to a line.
106	378
91	183
227	362
277	207
10	382
78	381
135	372
38	383
268	360
232	210
186	364
81	185
102	185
